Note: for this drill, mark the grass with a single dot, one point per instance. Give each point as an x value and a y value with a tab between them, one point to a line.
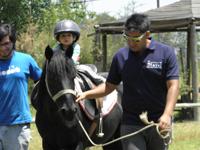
35	143
186	136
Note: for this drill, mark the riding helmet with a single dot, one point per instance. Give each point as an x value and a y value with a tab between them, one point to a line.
67	26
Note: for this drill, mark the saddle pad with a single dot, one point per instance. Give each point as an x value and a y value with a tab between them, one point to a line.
109	102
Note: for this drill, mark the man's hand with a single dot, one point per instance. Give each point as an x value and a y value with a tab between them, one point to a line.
165	122
80	97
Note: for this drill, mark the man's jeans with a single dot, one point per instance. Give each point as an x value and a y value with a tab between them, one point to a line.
15	137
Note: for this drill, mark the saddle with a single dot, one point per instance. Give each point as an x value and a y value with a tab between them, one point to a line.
85	81
90	108
90	71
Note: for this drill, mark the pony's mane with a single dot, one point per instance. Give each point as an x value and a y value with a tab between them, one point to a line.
61	65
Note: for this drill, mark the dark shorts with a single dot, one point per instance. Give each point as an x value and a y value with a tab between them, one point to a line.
146	140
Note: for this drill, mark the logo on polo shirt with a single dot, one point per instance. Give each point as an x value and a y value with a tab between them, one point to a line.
154	64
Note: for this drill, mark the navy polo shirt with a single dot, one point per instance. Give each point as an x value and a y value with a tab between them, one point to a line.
144	79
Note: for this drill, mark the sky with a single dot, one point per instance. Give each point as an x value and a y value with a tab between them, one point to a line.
116	7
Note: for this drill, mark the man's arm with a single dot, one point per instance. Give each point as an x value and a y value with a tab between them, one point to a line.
99	91
171	99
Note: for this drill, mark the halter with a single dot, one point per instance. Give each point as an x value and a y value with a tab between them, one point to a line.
59	93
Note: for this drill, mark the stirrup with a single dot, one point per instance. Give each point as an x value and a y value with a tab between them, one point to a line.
100	132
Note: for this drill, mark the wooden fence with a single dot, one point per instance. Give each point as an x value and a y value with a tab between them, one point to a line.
187	105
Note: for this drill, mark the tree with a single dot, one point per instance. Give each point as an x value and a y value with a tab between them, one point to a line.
21	12
63	10
14	12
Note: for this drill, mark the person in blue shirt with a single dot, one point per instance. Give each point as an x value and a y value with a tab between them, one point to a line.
15	70
150	75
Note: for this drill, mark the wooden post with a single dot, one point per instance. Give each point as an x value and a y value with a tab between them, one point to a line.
182	61
158	5
188	62
104	46
193	49
97	45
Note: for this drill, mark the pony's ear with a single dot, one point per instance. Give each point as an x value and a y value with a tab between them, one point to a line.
48	52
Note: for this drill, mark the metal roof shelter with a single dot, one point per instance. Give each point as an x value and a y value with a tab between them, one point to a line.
183	15
174	17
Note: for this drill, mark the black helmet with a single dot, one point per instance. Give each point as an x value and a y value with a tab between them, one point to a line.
67	26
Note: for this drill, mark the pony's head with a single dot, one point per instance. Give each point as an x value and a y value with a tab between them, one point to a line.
59	79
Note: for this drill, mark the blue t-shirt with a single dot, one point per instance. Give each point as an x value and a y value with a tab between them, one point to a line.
144	79
14	75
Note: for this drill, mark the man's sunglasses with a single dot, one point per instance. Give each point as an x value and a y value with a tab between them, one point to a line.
133	38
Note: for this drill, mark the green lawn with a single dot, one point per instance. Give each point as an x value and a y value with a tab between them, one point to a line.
35	143
186	136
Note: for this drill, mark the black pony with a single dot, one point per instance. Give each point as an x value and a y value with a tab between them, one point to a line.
58	116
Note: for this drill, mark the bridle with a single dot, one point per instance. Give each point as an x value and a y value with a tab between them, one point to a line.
59	93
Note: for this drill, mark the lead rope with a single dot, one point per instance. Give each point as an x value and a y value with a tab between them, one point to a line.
143	117
164	134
